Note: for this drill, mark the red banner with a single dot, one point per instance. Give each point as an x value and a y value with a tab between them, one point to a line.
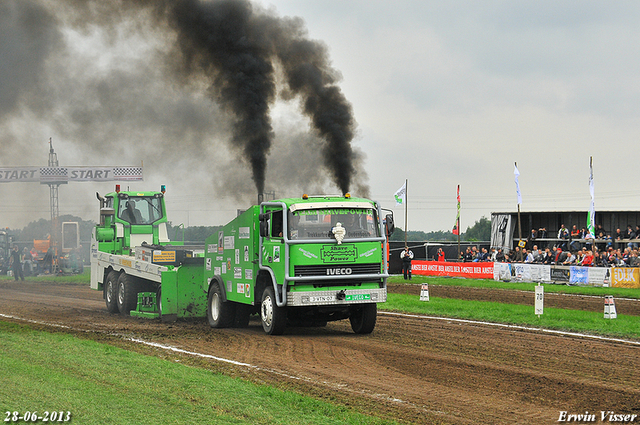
435	268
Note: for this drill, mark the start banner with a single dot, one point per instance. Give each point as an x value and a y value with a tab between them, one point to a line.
66	174
438	268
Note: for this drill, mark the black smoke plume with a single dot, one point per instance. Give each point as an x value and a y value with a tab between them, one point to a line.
238	47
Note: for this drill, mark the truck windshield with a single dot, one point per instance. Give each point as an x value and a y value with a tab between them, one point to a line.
317	223
140	209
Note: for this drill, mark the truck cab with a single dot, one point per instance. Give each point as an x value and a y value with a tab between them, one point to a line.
299	261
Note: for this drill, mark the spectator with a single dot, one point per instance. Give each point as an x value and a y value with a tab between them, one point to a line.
569	260
547	258
618	235
500	258
14	262
537	255
407	256
588	240
631	234
517	255
563	235
575	234
587	260
440	255
532	237
27	261
468	255
542	234
528	256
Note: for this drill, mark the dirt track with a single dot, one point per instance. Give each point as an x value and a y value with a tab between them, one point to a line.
413	369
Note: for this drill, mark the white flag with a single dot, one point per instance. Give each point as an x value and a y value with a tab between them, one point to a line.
517	173
401	195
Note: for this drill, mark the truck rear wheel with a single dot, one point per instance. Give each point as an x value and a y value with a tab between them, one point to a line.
127	293
274	318
363	318
220	314
111	292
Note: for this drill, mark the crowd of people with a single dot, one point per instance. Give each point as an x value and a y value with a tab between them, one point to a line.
575	247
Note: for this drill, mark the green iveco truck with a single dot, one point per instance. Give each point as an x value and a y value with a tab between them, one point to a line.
299	261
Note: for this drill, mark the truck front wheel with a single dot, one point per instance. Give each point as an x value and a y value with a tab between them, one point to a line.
220	314
363	318
127	293
274	318
111	292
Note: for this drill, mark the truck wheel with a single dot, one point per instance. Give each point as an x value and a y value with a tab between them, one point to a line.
127	294
274	318
111	292
363	318
220	314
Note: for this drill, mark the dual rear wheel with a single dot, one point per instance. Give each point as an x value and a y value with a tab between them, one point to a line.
121	292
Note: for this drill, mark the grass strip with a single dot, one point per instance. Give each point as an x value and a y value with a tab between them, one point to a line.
99	384
553	318
520	286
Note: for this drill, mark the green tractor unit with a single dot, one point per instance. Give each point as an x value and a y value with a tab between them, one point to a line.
138	269
298	261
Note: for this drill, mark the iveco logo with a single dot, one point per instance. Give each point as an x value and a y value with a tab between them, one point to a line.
344	270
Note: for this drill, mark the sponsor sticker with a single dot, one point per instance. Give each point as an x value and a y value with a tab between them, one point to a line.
345	253
244	233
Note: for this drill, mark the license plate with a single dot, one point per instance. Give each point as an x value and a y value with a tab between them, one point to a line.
322	298
358	297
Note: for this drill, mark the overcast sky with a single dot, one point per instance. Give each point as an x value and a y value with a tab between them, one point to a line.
443	93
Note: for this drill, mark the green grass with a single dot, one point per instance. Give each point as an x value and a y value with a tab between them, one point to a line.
99	384
553	318
520	286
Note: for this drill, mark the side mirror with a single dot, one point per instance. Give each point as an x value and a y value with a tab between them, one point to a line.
389	226
264	225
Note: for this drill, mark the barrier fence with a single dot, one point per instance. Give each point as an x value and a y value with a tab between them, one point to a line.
619	277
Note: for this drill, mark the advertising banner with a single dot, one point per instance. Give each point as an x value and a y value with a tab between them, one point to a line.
522	272
435	268
625	277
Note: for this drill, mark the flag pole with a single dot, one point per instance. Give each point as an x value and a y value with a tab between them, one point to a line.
519	226
458	224
406	226
458	220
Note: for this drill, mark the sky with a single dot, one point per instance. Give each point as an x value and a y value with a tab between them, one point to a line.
442	94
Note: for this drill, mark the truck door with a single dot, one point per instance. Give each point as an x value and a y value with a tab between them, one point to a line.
273	243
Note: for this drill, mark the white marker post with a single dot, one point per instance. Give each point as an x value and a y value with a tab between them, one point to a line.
610	308
539	300
424	292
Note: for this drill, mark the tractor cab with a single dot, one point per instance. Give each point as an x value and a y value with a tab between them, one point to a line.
129	219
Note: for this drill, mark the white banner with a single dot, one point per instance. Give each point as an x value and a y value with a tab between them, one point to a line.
66	174
522	272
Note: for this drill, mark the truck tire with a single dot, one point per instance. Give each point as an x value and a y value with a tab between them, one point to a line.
127	293
220	314
111	292
274	318
363	318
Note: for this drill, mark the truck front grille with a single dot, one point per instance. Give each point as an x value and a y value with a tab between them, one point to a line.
338	270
